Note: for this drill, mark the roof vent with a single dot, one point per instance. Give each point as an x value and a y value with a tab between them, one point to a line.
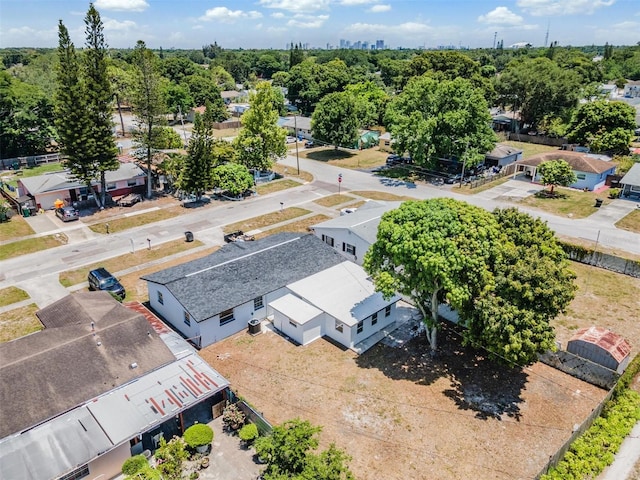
133	365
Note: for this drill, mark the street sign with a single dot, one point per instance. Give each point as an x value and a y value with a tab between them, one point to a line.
339	177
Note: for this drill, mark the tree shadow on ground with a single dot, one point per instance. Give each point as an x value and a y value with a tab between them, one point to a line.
328	155
390	182
477	383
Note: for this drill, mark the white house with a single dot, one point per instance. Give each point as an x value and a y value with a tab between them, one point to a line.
630	183
351	235
47	188
297	126
339	302
305	287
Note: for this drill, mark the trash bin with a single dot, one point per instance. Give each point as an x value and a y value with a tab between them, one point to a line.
254	326
598	203
188	236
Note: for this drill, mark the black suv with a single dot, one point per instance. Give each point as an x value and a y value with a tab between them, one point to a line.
100	279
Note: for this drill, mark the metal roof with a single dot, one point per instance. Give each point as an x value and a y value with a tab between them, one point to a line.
632	177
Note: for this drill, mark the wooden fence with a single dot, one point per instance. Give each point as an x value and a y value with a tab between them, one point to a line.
32	161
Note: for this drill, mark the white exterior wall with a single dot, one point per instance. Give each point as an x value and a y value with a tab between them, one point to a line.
172	311
313	329
341	236
343	338
109	465
368	329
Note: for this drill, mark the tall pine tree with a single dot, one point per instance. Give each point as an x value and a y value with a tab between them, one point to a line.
148	104
72	123
101	145
195	177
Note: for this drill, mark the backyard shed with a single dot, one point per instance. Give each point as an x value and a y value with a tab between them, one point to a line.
601	346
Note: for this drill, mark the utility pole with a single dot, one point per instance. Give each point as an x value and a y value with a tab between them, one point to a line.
295	132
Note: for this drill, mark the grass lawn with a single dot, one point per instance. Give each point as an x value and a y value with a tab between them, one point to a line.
225	132
277	186
530	149
12	176
301	226
384	196
292	172
30	245
11	295
124	223
368	158
79	275
631	222
333	200
266	220
19	322
570	202
15	228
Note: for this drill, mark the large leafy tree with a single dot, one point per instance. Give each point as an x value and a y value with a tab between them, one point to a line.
434	251
148	104
557	172
71	112
533	284
603	126
289	454
434	119
335	120
261	141
195	177
538	88
370	101
101	146
232	178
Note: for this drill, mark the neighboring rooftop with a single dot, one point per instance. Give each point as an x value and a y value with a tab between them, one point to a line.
580	162
240	271
632	177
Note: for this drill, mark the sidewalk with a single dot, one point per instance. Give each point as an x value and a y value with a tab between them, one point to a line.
625	459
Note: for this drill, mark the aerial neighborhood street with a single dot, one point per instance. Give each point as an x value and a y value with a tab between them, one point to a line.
297	256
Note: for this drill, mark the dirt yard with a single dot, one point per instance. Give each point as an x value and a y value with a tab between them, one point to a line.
401	414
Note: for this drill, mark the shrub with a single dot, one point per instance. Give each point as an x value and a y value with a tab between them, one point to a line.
614	193
198	435
233	417
248	433
134	464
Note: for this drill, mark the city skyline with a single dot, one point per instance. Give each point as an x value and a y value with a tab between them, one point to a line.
190	24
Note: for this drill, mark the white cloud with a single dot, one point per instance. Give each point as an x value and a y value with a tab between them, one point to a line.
122	5
501	16
223	14
296	5
277	15
562	7
380	8
356	2
307	21
276	29
111	25
407	28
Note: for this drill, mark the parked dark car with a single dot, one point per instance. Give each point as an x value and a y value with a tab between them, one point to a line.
67	214
101	279
394	160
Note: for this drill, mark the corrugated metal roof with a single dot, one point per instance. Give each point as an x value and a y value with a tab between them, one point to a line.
605	339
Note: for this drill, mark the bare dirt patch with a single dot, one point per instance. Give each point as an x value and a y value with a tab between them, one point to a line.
402	414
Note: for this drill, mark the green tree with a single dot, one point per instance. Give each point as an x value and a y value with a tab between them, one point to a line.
536	88
121	82
431	119
148	105
171	456
532	285
434	251
603	126
370	101
195	177
222	78
261	141
101	147
232	178
556	172
71	112
179	100
286	449
335	120
330	464
268	64
296	56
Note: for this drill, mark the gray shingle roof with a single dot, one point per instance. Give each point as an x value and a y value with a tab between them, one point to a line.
60	367
632	177
241	271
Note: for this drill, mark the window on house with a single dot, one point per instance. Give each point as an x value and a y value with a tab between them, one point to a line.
328	240
339	326
226	317
131	182
635	188
111	186
350	249
160	299
187	318
360	327
581	176
76	474
387	311
374	318
293	324
258	303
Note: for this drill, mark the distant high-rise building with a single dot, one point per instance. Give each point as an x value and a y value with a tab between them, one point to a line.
343	43
357	45
379	44
365	45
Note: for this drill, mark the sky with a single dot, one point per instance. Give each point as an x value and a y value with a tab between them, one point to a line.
261	24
